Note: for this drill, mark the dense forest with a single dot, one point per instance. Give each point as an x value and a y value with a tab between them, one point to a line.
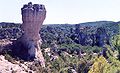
92	47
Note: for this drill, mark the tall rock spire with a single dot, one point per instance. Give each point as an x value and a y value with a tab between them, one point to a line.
33	16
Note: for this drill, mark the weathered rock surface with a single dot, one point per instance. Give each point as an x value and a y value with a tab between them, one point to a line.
28	45
8	67
98	38
17	66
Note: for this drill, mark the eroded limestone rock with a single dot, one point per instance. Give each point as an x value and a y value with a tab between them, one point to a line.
33	16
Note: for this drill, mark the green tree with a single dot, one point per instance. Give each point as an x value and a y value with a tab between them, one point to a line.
98	65
109	65
116	42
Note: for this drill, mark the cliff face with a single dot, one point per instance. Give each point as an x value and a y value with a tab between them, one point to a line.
99	37
28	45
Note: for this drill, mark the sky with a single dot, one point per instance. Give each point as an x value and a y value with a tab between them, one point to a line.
64	11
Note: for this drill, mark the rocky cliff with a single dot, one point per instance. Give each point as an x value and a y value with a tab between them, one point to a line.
28	45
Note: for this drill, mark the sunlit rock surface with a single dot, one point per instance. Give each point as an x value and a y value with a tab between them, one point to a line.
28	45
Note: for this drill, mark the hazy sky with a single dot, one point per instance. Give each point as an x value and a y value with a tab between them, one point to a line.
64	11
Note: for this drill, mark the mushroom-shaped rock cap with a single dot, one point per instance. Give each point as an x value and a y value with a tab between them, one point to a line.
33	7
33	12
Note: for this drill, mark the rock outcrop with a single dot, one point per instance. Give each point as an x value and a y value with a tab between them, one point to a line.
98	38
101	37
28	45
8	67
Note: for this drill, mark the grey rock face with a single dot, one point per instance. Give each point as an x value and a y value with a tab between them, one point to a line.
101	37
32	17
